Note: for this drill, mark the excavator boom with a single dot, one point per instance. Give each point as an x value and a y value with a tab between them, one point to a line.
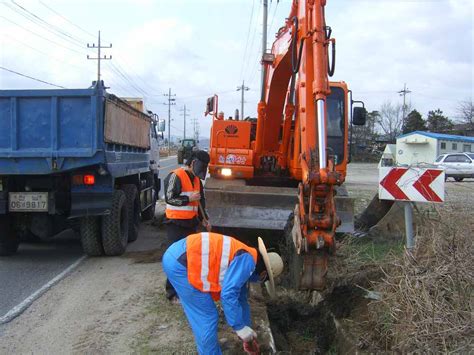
293	157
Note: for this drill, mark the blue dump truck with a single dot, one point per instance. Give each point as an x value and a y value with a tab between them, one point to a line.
78	159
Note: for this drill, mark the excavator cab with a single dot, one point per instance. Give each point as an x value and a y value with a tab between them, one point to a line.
240	195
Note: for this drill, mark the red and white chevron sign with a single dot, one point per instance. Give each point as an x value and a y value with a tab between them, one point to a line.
411	184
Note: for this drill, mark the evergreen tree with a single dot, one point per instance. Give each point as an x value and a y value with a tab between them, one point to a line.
414	122
437	122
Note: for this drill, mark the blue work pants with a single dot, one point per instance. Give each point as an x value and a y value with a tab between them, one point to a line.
198	306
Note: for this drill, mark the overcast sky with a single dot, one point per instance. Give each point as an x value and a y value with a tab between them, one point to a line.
198	48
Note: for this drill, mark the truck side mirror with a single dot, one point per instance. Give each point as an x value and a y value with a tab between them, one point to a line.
210	105
359	116
161	125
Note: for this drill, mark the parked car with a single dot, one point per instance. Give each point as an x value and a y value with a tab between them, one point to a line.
457	165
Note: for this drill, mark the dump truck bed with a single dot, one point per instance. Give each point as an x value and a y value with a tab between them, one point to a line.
50	131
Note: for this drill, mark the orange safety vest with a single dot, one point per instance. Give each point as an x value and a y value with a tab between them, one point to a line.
208	257
191	209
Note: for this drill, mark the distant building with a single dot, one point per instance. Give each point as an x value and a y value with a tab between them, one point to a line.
424	147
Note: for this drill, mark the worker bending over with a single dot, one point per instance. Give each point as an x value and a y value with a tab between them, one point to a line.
206	267
183	195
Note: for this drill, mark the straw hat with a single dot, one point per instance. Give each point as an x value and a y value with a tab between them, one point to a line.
273	264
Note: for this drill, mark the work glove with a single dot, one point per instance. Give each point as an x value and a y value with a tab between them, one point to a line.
246	334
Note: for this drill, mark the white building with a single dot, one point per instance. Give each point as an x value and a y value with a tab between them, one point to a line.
424	147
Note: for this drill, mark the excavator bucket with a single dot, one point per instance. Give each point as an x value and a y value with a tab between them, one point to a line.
233	204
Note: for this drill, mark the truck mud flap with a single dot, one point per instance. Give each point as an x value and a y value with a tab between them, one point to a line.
90	204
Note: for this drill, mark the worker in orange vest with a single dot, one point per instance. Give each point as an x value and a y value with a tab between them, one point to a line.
183	194
206	267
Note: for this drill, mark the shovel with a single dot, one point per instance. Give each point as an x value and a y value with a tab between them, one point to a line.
204	219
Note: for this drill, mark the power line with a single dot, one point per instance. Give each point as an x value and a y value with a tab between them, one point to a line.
251	47
53	27
44	24
247	41
30	77
126	80
132	80
274	14
128	66
64	18
42	37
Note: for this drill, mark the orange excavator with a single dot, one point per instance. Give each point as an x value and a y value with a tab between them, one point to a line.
294	156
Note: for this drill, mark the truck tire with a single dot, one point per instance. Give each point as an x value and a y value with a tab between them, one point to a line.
9	241
90	236
115	226
458	179
180	157
133	206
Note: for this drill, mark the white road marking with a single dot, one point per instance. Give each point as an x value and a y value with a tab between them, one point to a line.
20	308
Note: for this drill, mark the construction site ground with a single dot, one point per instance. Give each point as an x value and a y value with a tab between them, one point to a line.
117	305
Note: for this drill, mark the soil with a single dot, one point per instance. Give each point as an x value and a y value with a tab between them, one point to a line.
117	305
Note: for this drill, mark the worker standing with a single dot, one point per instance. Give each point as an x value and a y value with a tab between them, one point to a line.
185	202
206	267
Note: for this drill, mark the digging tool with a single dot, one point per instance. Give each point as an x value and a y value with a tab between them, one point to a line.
252	347
204	219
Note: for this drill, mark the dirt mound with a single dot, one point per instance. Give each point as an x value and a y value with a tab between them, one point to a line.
146	256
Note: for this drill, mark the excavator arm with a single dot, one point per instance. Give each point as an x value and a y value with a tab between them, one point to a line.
297	73
293	157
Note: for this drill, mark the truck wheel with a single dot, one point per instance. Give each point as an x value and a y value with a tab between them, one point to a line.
9	242
133	206
458	179
115	226
90	236
180	157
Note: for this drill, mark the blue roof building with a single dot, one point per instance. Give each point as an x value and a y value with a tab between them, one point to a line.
424	147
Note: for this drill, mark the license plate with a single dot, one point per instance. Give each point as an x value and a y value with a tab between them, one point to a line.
28	201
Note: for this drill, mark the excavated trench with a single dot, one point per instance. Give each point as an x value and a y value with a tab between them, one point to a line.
305	322
299	326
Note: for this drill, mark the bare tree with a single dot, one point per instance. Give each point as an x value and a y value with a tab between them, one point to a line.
390	119
465	110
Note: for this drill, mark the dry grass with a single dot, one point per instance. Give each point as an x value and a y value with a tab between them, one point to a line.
427	303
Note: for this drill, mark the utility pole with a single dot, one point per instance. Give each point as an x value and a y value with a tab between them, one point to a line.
184	115
99	58
196	128
242	88
264	47
171	102
403	93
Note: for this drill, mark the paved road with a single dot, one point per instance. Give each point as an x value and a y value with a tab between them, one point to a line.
166	166
33	266
36	264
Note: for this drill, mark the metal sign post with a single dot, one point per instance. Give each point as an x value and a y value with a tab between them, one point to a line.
410	236
411	184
